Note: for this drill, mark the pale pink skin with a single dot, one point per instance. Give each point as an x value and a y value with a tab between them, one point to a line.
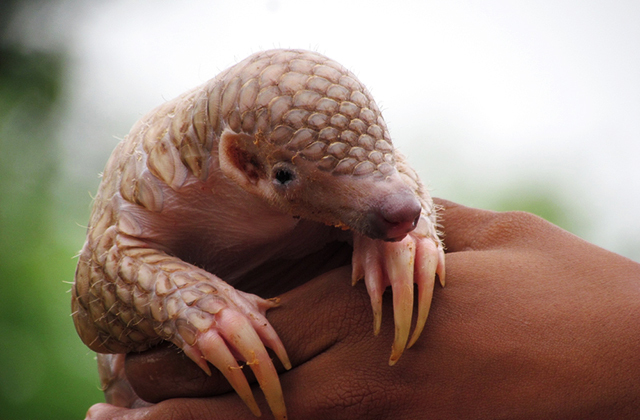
272	160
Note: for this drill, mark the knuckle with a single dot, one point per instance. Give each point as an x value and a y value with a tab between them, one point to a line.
510	226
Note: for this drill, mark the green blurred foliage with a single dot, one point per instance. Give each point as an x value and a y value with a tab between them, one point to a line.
541	198
542	202
45	371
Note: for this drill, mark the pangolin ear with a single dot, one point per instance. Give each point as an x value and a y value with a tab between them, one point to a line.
239	159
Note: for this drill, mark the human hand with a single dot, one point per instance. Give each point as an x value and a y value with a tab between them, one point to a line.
533	323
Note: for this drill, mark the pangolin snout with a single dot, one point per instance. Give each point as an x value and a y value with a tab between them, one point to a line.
396	216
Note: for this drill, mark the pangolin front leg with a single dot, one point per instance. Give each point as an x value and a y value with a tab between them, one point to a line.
175	301
415	259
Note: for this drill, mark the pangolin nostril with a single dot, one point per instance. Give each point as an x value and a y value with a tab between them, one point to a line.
396	216
401	208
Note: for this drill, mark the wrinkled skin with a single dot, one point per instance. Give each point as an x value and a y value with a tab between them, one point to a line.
534	323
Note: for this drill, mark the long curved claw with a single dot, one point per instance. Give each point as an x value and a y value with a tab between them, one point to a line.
427	258
374	281
399	261
197	357
440	271
244	339
215	350
367	263
262	326
270	338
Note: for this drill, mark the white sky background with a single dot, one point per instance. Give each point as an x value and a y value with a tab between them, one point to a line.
481	95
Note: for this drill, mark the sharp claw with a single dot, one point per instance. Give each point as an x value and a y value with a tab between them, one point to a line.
216	351
242	336
270	339
400	268
424	276
377	314
356	274
264	329
440	271
282	355
196	355
373	280
273	302
357	270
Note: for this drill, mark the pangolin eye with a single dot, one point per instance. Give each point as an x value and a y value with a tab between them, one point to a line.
283	176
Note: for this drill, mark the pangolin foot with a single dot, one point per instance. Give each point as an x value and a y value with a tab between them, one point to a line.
418	258
241	334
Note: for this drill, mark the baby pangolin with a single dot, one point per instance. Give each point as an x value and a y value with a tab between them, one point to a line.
273	159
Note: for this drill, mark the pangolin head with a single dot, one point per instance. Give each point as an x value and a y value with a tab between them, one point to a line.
302	131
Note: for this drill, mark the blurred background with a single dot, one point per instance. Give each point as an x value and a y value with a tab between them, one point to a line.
501	105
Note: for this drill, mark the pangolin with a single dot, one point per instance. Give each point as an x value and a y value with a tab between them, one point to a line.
273	159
